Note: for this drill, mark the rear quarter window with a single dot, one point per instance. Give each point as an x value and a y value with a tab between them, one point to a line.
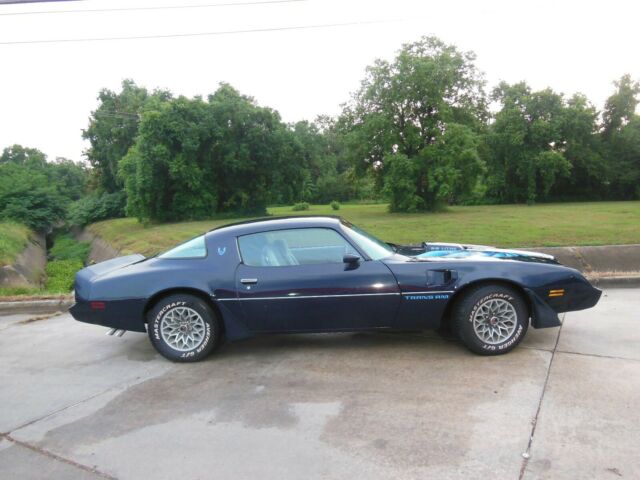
194	248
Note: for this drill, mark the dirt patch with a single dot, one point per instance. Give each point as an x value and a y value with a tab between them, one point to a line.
612	274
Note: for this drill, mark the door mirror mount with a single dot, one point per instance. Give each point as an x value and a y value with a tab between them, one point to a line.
351	259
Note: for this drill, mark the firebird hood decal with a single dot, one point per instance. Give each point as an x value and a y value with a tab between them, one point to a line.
452	251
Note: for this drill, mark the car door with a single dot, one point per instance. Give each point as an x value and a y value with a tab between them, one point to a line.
297	280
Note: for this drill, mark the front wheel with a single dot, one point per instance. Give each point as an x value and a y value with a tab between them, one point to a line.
183	328
491	319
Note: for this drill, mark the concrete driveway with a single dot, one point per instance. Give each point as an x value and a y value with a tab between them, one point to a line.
77	404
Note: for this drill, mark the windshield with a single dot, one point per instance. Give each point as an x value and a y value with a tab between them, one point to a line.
373	247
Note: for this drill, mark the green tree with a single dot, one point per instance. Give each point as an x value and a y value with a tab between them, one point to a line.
620	107
624	150
621	139
194	158
526	144
26	196
168	173
36	192
69	177
319	165
28	157
113	127
254	144
403	110
582	148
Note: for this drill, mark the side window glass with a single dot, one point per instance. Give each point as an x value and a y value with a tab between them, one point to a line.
302	246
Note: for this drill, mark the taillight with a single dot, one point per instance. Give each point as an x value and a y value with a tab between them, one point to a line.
97	305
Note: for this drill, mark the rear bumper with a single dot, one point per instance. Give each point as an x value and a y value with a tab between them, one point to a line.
120	314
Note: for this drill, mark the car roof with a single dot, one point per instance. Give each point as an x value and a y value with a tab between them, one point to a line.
279	223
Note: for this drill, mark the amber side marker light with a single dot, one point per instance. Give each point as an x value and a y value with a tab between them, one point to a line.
556	293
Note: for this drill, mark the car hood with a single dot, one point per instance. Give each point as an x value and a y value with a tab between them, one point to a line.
455	251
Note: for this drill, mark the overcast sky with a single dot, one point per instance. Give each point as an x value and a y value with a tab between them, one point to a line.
47	91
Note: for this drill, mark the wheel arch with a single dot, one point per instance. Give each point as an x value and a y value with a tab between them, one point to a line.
459	293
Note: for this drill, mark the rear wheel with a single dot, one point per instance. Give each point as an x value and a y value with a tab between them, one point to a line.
183	328
491	319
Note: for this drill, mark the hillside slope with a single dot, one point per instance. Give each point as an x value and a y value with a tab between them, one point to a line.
593	223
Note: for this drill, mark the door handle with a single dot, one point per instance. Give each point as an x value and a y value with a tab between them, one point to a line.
248	281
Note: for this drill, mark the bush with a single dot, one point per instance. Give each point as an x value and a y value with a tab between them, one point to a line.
16	291
27	197
298	207
97	207
65	247
67	257
335	205
60	275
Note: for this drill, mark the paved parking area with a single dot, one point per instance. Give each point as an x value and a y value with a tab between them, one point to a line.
77	404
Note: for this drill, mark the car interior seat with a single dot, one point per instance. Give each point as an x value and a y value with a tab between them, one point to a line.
277	254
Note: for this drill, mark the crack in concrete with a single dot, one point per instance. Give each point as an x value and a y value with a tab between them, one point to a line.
58	458
62	409
534	422
38	318
538	349
35	318
596	355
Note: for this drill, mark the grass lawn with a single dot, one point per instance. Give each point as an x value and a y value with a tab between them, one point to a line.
13	239
594	223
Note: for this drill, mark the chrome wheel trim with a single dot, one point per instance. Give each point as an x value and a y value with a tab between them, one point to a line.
495	321
183	329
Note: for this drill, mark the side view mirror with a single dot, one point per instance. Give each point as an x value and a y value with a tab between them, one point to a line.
351	259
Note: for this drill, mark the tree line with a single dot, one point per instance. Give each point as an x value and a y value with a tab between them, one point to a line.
421	132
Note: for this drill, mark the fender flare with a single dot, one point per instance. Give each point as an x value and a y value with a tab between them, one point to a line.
542	315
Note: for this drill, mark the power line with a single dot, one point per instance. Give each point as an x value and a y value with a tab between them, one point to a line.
158	7
11	2
126	115
201	34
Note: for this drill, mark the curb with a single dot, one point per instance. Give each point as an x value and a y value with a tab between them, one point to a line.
616	282
35	306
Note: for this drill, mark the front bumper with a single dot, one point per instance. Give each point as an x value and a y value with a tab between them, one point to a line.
576	295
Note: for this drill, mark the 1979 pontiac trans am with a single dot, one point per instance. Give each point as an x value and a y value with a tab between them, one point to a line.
323	274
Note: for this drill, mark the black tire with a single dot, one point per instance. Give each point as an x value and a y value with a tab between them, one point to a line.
184	310
479	301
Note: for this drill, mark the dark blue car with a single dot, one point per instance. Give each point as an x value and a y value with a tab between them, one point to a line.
323	274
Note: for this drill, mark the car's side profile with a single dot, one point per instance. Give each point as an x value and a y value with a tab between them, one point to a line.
322	274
